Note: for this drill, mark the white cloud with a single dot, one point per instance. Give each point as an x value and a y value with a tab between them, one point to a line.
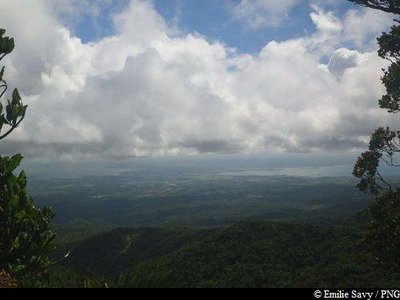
343	59
263	13
325	21
353	30
144	91
363	26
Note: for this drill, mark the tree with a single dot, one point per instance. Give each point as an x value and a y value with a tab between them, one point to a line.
26	238
390	6
384	144
383	233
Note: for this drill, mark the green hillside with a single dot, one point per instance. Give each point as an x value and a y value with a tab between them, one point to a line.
242	255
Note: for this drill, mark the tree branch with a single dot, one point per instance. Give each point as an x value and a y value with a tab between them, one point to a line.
12	128
60	260
5	88
389	6
383	181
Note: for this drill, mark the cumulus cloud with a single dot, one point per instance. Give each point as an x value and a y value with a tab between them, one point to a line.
146	91
357	29
263	13
343	59
361	27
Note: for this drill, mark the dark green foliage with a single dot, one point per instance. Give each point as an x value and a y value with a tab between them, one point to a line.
389	48
116	252
256	254
384	144
383	234
25	231
389	44
25	236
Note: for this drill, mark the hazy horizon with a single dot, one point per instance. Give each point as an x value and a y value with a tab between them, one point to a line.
271	164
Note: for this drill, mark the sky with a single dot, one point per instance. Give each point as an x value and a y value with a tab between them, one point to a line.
116	79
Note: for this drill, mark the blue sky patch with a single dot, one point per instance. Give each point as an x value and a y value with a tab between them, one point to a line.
213	19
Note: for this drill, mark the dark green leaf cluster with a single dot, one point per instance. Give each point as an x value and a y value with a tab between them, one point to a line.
26	238
25	232
383	234
389	44
14	112
383	146
366	168
7	44
389	48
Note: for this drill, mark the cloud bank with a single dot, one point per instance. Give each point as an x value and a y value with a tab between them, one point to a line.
147	91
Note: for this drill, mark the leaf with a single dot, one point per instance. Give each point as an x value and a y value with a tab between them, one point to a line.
13	163
9	113
22	179
16	98
19	268
16	243
7	45
2	32
2	121
3	45
16	112
10	45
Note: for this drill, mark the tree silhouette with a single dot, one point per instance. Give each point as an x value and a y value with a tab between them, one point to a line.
384	144
383	233
390	6
26	238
